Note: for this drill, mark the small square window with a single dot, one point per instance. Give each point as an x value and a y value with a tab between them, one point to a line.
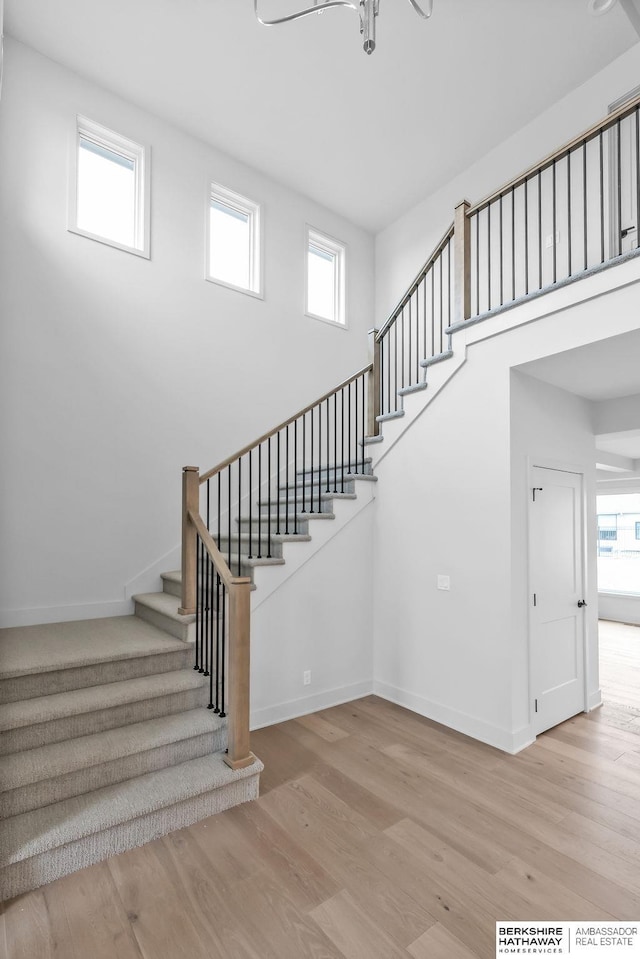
109	198
325	278
233	241
637	530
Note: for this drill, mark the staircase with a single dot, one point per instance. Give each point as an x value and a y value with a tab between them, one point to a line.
107	741
106	744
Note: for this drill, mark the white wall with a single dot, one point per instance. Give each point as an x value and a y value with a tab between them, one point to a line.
320	619
403	247
453	497
117	371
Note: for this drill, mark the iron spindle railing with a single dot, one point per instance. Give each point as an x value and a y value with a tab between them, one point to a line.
262	493
572	212
416	330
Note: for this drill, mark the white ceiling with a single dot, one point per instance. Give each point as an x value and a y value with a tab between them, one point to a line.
367	136
599	371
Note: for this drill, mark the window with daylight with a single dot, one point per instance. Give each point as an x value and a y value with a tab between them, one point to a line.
233	241
618	547
109	198
326	275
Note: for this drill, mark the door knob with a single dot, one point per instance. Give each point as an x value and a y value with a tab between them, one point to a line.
582	602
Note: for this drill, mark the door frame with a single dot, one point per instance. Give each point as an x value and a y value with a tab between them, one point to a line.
544	462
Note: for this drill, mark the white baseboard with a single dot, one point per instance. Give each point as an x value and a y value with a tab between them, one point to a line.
506	741
64	614
594	700
293	708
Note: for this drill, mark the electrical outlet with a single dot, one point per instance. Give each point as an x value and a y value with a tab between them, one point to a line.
444	582
306	677
548	240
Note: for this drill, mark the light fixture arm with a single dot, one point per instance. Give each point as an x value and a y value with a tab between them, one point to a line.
367	10
316	8
426	13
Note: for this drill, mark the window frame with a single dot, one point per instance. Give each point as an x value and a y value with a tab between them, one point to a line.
251	208
139	153
328	244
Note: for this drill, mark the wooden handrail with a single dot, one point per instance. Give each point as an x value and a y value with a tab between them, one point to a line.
546	162
419	276
218	560
281	426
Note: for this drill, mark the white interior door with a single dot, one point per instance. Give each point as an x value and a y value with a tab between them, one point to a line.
556	579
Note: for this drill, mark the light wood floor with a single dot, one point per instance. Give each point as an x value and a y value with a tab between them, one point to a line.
378	835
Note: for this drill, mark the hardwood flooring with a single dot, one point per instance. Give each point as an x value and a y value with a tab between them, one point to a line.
378	835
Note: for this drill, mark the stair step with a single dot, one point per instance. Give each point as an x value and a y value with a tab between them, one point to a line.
161	609
49	719
416	388
42	660
393	415
45	844
358	466
48	774
438	358
324	501
370	440
303	519
172	583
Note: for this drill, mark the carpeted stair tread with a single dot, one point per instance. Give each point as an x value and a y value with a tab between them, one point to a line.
54	646
59	759
164	603
42	830
44	709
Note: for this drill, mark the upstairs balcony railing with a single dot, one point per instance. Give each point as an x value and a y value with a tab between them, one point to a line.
574	211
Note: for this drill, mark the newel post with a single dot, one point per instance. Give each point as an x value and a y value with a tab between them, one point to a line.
238	754
462	260
190	502
373	409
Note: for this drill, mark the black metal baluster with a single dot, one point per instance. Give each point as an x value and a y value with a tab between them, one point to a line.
229	515
424	316
584	201
619	173
261	501
395	371
441	346
433	312
210	665
269	498
554	245
286	447
569	211
449	283
318	483
326	423
501	253
409	363
356	424
342	440
295	476
601	199
239	510
335	442
526	236
539	229
198	643
222	652
513	244
278	491
402	348
637	179
250	505
304	462
478	263
489	256
351	456
364	407
218	630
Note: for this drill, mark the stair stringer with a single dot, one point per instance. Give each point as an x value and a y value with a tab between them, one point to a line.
268	579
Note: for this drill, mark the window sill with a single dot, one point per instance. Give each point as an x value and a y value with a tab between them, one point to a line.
145	254
257	294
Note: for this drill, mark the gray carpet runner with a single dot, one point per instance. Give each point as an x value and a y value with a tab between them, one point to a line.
106	743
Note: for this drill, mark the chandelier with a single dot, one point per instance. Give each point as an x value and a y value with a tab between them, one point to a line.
366	9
